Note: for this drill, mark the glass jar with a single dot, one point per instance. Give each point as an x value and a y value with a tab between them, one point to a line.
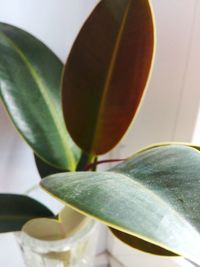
45	243
68	240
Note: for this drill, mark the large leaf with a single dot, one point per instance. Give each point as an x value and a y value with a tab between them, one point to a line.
106	73
16	210
30	89
154	196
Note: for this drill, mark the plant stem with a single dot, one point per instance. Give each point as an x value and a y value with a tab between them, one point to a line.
84	161
93	165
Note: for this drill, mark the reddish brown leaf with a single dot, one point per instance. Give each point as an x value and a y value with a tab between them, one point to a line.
106	73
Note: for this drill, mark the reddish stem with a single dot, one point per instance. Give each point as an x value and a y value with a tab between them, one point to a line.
94	164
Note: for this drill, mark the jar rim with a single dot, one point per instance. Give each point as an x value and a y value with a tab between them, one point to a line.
61	244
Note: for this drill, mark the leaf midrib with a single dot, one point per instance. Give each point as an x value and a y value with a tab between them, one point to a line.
42	88
110	73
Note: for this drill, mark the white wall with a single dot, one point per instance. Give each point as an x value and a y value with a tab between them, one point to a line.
56	23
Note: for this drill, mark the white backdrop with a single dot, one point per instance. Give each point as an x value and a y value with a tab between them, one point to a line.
56	23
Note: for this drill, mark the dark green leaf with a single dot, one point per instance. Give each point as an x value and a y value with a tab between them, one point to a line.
44	168
30	89
106	73
154	196
16	210
140	244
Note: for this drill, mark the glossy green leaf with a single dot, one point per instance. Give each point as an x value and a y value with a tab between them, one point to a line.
16	210
154	196
138	243
30	89
106	73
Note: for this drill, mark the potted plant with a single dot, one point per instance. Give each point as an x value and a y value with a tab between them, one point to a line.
151	199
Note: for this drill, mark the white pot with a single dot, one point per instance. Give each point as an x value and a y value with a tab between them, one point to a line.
130	257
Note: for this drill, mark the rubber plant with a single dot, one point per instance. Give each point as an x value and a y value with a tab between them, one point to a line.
150	200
